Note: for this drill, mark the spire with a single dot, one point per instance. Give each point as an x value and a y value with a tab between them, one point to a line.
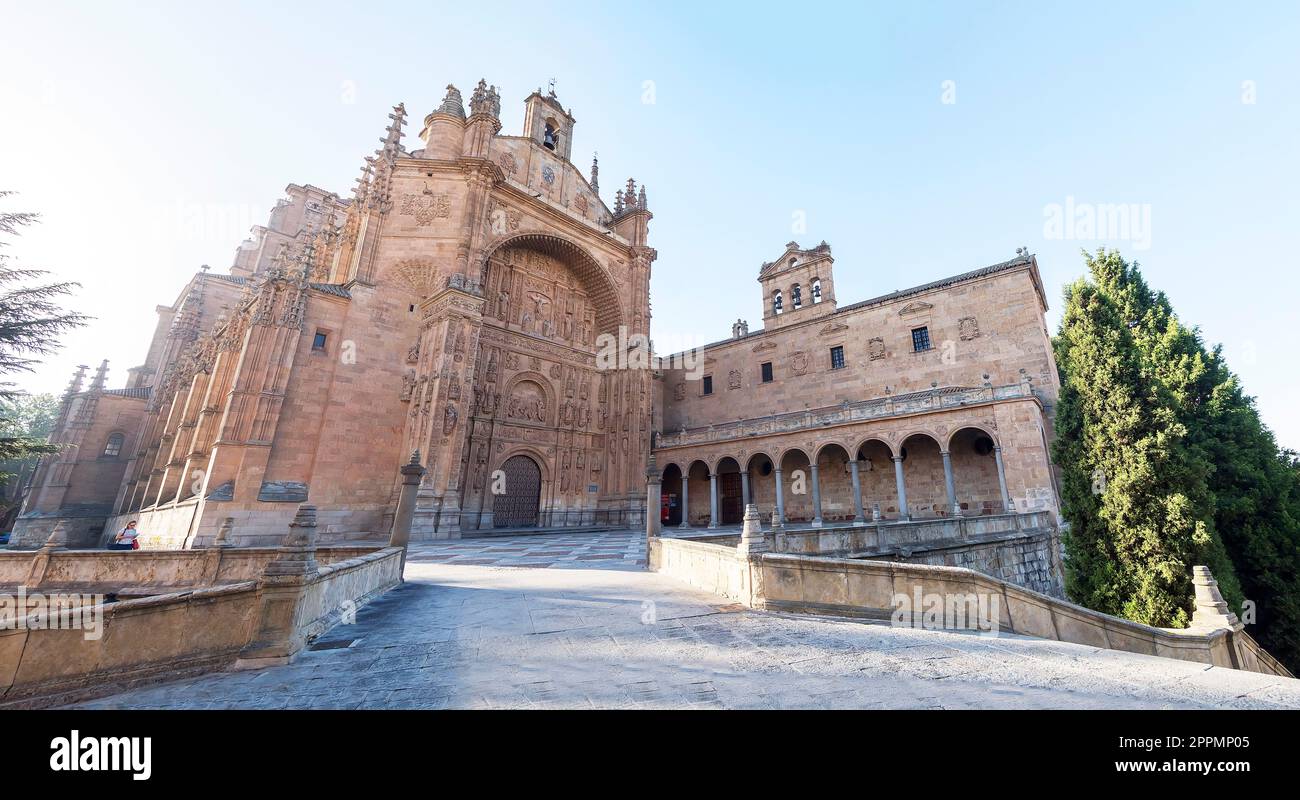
78	378
618	202
392	140
595	173
485	100
97	383
629	194
640	198
451	104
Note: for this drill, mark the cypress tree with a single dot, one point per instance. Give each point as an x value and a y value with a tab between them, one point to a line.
1166	464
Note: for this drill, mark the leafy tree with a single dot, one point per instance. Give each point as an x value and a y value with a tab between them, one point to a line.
31	321
1166	464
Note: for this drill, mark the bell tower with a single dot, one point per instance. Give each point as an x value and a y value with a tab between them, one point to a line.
547	123
797	286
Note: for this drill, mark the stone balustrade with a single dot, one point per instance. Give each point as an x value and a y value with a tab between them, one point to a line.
936	399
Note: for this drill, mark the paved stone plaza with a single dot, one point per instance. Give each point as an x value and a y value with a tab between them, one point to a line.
572	621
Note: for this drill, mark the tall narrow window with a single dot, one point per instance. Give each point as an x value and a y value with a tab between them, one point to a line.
837	357
817	291
920	339
796	295
776	302
113	448
766	369
708	384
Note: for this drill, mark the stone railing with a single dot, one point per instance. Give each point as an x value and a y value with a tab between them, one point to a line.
749	574
935	399
62	641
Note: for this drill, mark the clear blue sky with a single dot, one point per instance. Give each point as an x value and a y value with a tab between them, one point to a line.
151	135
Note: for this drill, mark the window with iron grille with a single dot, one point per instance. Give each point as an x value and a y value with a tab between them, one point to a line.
767	371
920	339
708	384
837	357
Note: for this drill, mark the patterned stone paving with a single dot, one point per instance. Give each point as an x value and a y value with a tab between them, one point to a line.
601	550
604	633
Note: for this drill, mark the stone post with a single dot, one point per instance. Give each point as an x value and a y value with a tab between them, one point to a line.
412	473
279	633
713	499
653	501
686	506
1211	611
949	484
778	517
1007	507
752	539
858	517
57	542
903	514
223	534
817	496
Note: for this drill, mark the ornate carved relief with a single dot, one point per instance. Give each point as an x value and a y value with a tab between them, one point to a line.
915	307
426	206
833	328
508	164
876	348
968	328
417	275
527	402
799	362
733	379
580	203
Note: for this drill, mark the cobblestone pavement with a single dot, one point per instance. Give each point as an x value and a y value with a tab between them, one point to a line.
472	635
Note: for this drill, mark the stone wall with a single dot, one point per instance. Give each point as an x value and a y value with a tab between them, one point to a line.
181	633
868	589
1024	549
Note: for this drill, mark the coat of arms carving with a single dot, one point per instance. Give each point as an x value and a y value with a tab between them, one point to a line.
426	207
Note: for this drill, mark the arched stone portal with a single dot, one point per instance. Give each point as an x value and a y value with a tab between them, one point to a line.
519	505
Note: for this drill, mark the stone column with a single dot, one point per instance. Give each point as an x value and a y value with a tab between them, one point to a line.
903	514
412	473
858	517
653	501
686	506
1002	480
817	497
744	488
780	499
713	499
948	483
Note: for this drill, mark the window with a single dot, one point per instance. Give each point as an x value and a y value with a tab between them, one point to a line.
920	339
767	371
776	302
114	447
318	343
708	384
816	291
796	296
837	357
549	138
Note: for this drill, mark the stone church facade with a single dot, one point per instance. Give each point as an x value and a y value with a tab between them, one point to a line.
454	306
